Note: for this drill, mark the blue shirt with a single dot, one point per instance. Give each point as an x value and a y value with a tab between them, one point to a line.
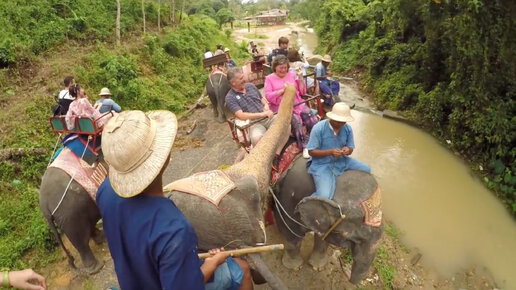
250	102
320	70
152	244
106	103
323	137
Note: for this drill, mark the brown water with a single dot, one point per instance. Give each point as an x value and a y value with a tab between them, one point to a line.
430	195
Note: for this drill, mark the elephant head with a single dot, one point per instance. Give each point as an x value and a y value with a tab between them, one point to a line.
352	219
238	220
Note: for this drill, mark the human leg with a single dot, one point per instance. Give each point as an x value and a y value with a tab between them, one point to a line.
335	88
324	184
298	131
231	274
353	164
256	132
246	281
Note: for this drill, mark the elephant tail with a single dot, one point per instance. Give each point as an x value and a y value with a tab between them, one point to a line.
53	229
257	264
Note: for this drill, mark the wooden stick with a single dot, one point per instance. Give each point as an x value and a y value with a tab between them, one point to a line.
240	252
335	224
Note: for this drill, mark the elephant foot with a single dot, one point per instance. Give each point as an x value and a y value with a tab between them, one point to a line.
98	237
292	263
318	261
95	268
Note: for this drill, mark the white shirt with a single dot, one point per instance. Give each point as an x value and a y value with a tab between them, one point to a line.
65	94
208	54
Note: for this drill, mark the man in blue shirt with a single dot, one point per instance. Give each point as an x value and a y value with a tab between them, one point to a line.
328	87
152	244
105	103
330	144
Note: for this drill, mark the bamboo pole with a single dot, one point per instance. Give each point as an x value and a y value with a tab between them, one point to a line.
245	251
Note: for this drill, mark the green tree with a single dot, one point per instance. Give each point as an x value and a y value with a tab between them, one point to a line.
223	16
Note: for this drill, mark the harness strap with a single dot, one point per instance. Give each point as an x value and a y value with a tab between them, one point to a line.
291	218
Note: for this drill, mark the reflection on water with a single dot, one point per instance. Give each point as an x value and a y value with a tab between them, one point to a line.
307	41
431	197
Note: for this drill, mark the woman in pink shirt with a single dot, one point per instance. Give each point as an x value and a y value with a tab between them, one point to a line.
274	90
81	107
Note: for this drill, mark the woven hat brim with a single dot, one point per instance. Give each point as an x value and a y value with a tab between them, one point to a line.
339	118
129	184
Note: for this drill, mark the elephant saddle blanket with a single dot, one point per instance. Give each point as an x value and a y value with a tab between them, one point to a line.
286	160
87	176
210	185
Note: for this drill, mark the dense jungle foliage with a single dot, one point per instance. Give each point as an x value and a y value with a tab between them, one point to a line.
41	42
449	65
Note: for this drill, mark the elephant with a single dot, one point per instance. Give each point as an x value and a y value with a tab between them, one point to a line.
238	220
76	216
217	87
357	197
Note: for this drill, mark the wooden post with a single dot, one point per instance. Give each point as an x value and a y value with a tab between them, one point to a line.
117	31
143	15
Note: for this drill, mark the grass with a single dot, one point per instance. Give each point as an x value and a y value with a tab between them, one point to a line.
385	269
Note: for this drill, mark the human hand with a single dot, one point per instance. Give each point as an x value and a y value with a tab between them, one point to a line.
218	256
269	114
336	152
346	150
27	279
329	74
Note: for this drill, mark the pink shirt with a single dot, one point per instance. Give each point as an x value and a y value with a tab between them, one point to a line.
82	107
273	84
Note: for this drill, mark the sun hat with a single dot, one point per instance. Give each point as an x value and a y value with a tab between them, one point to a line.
340	113
226	49
326	58
136	145
104	92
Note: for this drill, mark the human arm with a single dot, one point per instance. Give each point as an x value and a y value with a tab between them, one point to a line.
24	279
252	116
272	94
115	107
210	264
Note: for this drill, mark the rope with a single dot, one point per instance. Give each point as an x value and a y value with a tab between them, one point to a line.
54	151
283	219
71	179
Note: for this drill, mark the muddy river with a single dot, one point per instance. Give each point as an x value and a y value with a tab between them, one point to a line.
429	194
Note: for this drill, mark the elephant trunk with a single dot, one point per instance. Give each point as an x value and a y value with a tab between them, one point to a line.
257	263
258	162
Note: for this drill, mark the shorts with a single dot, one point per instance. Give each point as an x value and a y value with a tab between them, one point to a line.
257	130
227	275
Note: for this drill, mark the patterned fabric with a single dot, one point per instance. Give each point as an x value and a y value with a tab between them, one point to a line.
210	185
83	108
89	177
372	208
286	159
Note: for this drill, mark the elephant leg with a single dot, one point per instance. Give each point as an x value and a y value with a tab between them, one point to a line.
78	232
97	235
363	255
291	257
318	258
257	263
220	114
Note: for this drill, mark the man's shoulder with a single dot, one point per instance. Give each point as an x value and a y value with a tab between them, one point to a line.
320	125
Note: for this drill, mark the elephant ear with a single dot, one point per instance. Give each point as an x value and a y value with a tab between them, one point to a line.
318	213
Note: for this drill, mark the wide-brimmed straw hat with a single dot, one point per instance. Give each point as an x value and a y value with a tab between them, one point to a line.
136	145
104	92
340	113
326	58
226	49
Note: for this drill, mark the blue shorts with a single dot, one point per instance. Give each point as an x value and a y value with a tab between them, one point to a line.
227	275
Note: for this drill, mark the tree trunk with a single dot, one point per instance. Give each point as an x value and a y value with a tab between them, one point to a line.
181	14
117	22
159	15
173	12
143	15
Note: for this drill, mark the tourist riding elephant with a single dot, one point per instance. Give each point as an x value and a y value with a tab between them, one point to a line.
357	199
76	215
237	220
217	87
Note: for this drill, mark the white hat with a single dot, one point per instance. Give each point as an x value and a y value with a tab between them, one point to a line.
226	49
105	92
340	113
326	58
136	145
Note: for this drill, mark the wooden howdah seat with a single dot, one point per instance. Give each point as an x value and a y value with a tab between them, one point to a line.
84	126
